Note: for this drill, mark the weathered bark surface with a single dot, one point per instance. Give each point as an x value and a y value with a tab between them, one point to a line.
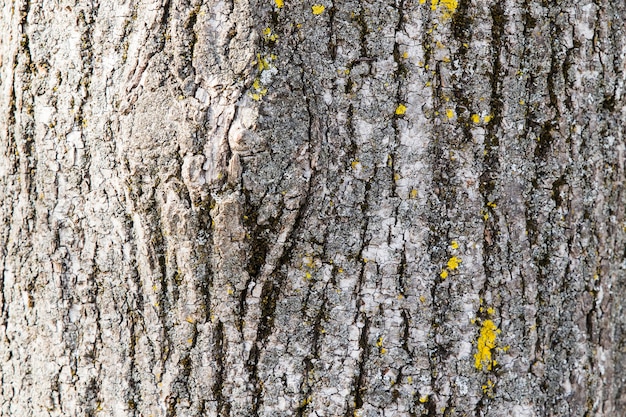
238	209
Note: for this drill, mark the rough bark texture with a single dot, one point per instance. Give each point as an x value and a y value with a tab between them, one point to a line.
258	208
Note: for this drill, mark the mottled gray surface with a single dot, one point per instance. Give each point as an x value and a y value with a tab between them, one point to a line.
217	208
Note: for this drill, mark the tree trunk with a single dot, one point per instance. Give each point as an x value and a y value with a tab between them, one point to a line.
351	208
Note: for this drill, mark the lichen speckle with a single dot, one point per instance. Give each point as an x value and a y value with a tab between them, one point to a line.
453	263
279	3
401	109
318	9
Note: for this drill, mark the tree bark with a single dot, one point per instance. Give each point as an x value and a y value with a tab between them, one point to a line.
283	208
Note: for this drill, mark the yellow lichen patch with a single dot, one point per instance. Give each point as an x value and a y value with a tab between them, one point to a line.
475	118
449	5
423	399
262	63
355	164
379	342
405	55
450	113
488	388
317	9
413	194
454	244
491	311
492	204
444	274
259	90
422	299
279	3
486	342
487	118
401	109
453	263
267	33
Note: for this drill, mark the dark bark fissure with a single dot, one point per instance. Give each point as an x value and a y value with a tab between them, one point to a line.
400	77
462	32
11	151
133	397
361	375
361	317
488	186
220	349
316	331
26	146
